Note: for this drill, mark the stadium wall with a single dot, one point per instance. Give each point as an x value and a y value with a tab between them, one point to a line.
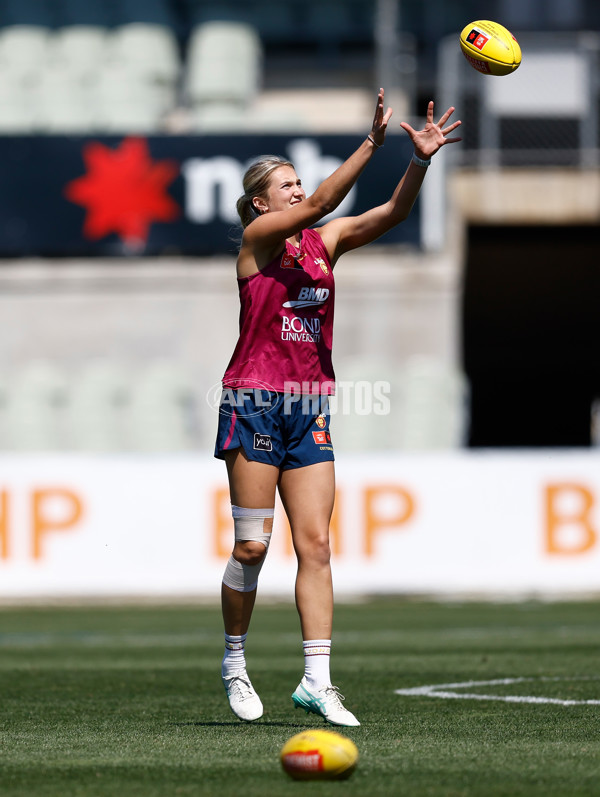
390	305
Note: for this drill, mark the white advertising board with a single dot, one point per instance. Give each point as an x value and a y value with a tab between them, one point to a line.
482	523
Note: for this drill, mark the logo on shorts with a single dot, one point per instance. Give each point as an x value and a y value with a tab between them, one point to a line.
477	39
262	442
321	438
320	421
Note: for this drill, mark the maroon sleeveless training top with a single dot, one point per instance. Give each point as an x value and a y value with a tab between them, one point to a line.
286	323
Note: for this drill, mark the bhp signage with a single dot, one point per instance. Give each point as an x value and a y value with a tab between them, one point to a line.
442	524
114	196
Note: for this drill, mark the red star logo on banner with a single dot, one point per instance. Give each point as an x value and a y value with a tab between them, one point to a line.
124	191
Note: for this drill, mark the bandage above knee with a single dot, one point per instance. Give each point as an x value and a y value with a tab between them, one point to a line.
250	525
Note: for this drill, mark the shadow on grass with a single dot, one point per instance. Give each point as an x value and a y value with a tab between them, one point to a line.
236	724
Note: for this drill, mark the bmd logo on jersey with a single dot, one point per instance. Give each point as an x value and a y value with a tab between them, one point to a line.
262	442
309	297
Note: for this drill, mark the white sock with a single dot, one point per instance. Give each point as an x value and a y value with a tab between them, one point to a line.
317	653
234	659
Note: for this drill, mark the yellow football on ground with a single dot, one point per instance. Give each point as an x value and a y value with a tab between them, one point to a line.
490	48
319	755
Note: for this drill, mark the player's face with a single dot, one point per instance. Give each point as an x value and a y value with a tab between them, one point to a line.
285	189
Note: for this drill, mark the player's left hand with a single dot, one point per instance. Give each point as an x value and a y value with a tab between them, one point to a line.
433	136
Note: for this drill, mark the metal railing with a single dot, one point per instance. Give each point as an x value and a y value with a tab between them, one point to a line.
546	113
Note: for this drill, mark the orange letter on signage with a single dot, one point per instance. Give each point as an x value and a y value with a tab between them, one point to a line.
41	519
335	534
223	530
4	525
577	518
378	519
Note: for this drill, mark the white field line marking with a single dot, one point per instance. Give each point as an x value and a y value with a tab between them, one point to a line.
442	690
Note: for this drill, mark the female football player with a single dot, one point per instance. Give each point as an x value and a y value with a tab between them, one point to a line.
274	419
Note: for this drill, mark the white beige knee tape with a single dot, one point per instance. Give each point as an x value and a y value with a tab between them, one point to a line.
249	525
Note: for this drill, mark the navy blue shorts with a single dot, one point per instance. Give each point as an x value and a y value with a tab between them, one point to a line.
281	429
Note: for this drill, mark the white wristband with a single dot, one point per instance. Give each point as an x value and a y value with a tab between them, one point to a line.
420	161
372	140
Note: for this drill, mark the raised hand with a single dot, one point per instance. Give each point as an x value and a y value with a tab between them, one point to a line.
433	136
380	120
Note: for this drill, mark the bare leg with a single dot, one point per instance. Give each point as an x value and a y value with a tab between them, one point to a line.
251	485
308	494
237	609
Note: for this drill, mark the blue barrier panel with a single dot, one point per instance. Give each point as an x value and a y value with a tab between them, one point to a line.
86	196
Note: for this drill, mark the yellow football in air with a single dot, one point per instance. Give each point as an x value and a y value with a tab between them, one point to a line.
490	48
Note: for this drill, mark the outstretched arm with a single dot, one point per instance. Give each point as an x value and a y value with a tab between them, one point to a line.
270	229
342	235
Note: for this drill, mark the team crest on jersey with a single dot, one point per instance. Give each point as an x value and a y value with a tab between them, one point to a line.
320	262
320	421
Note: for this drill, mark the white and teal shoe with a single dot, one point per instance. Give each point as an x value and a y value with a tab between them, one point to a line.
325	702
243	700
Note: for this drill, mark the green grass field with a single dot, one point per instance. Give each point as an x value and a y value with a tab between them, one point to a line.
119	701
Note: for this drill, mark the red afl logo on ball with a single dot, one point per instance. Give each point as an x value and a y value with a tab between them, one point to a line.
477	39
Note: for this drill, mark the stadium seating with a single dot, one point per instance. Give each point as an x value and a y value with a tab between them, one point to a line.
434	406
98	400
102	406
24	49
62	100
223	74
105	405
223	64
86	78
355	425
161	416
427	405
148	49
18	113
126	102
223	67
81	48
34	409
